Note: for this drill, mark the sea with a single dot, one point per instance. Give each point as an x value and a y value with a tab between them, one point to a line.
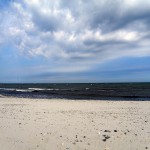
79	91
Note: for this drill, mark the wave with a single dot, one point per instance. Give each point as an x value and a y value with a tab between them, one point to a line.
30	89
52	89
42	89
36	89
23	90
7	89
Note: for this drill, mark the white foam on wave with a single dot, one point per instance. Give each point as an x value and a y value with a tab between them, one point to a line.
23	90
52	89
38	89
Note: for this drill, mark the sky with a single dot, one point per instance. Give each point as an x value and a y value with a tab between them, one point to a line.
52	41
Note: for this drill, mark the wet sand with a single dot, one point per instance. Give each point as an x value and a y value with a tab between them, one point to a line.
30	124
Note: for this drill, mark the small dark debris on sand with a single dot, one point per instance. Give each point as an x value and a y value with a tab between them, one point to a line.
106	137
107	131
104	140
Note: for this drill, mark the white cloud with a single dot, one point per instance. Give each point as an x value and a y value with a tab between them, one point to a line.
77	31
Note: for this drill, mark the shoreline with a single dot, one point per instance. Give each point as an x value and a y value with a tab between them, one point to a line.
74	124
48	97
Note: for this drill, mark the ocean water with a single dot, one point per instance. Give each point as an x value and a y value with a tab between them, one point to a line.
91	91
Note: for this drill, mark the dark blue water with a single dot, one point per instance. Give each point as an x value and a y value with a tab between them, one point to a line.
98	91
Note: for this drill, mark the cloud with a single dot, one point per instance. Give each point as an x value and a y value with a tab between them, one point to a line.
77	32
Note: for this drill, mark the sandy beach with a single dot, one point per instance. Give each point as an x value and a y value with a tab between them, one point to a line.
40	124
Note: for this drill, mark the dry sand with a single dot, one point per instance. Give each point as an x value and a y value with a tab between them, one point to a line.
27	124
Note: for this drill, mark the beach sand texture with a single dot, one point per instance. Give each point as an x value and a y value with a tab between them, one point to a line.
31	124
